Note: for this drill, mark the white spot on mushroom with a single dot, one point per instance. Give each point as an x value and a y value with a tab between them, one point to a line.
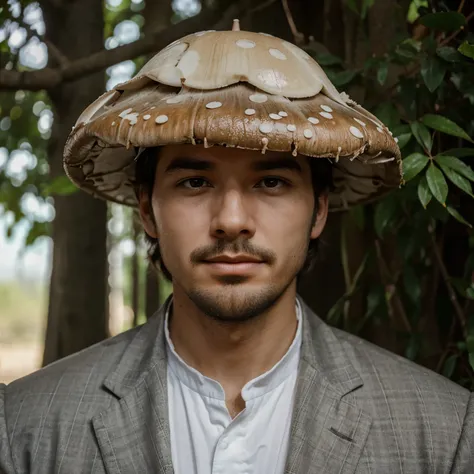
275	117
326	115
213	105
313	120
249	111
147	117
308	133
174	100
246	44
265	127
291	127
356	132
276	53
125	112
258	98
379	130
132	118
282	113
360	122
326	108
161	119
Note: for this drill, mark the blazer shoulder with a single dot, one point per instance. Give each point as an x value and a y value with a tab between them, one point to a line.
378	366
83	371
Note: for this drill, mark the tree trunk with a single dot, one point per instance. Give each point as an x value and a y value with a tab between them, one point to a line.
157	16
77	313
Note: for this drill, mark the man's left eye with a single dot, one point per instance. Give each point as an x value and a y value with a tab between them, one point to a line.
273	182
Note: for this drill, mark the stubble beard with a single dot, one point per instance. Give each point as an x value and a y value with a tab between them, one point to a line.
236	302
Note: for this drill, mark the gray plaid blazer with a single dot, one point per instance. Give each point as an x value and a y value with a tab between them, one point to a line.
358	409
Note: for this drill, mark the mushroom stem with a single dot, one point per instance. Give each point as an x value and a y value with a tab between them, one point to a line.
236	25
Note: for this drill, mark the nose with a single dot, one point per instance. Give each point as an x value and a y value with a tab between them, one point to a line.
232	218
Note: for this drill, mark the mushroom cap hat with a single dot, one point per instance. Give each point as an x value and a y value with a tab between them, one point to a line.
238	89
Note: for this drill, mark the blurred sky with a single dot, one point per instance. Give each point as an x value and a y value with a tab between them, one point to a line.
33	264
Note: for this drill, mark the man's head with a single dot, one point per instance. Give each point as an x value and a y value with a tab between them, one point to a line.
198	204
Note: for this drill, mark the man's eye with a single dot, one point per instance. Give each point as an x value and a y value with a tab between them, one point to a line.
193	183
272	183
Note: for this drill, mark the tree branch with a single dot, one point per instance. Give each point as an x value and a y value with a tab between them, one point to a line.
49	78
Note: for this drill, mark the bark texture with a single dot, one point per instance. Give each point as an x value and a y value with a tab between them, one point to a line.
77	316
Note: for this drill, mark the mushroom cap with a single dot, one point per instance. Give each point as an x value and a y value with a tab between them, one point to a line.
238	89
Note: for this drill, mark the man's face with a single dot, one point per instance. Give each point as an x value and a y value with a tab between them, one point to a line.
233	225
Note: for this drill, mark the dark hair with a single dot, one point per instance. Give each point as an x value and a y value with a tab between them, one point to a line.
321	177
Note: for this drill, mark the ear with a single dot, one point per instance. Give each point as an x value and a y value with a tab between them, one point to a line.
146	214
321	216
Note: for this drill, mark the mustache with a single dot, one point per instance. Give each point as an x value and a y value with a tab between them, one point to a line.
236	247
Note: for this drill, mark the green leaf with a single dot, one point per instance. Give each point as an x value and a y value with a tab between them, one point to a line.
407	49
456	164
382	73
422	135
352	4
471	360
445	125
38	229
457	179
437	183
450	365
412	284
61	186
413	347
432	72
459	152
458	216
448	54
357	214
327	59
366	4
342	78
388	114
424	193
385	212
413	164
403	139
444	21
467	49
335	313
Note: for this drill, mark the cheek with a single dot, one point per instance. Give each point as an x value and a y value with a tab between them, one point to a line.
181	228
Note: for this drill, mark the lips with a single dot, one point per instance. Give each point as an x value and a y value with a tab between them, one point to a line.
234	259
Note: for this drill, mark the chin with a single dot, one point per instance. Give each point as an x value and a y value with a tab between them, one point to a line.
236	302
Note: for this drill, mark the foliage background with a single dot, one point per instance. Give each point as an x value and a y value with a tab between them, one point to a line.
398	272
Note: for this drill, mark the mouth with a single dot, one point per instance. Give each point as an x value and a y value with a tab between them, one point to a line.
239	264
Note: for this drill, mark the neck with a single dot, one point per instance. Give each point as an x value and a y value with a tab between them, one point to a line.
233	353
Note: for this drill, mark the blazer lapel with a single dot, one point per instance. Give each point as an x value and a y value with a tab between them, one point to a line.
328	431
134	433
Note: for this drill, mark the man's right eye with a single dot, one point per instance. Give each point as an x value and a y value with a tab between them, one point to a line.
193	183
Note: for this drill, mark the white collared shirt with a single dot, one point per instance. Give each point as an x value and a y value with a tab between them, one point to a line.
205	439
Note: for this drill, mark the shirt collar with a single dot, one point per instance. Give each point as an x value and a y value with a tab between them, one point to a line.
257	387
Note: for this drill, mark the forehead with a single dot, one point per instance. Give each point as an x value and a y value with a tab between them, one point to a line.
235	158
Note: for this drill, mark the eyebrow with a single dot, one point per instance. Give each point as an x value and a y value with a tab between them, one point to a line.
187	163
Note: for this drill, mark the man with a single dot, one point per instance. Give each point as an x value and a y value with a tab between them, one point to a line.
234	374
